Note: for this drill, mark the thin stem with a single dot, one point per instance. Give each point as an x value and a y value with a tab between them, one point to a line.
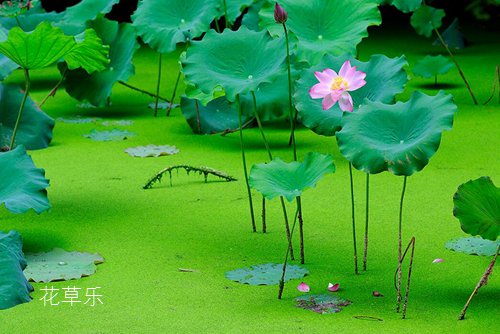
264	226
400	236
301	230
353	215
290	101
243	158
123	83
226	20
367	215
158	86
482	281
217	27
21	108
456	64
198	120
405	305
496	81
54	90
173	94
282	280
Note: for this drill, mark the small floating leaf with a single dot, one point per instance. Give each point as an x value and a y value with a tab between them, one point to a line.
426	19
322	304
473	246
266	274
112	135
118	123
151	151
430	66
78	120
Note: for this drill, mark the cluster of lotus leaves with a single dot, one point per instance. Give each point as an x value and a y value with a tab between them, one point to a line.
323	26
399	138
477	207
385	77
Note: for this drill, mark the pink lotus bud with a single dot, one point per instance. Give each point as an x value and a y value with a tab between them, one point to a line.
280	15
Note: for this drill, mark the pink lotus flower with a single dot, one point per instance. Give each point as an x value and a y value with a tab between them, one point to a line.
303	287
333	287
333	87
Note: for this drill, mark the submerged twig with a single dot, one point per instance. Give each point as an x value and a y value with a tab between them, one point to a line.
123	83
244	126
200	170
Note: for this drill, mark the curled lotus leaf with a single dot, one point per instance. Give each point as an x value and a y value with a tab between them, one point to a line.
278	178
426	19
25	188
266	274
430	66
477	207
323	26
162	24
379	69
229	60
399	138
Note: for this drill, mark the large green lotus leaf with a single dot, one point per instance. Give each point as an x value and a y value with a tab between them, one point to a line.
324	26
399	138
407	6
75	17
477	207
60	265
47	44
266	274
426	19
163	23
452	36
234	8
35	129
96	88
14	288
278	178
24	189
251	18
6	65
217	116
230	60
379	69
473	246
430	66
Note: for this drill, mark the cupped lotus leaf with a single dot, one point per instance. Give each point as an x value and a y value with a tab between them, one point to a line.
399	138
477	207
230	60
324	26
266	274
60	265
234	8
25	188
322	304
152	151
47	44
35	129
426	19
162	24
407	6
96	88
112	135
473	246
14	288
379	69
430	66
452	36
278	178
217	116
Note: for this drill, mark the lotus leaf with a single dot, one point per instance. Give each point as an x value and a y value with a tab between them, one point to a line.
60	265
430	66
35	129
122	122
407	6
97	87
399	138
152	151
426	19
76	17
78	120
234	8
162	24
324	26
229	60
25	188
378	69
6	65
14	288
473	246
477	207
278	178
322	304
112	135
266	274
452	36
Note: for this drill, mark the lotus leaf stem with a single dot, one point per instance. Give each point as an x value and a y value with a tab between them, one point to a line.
158	82
282	280
173	94
56	87
353	215
21	108
123	83
400	235
367	215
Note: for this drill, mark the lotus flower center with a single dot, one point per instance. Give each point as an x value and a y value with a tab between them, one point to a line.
339	83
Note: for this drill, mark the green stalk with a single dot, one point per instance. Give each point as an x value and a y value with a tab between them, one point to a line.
400	246
365	254
290	102
226	20
123	83
173	94
158	87
282	280
217	28
54	90
21	108
243	158
353	211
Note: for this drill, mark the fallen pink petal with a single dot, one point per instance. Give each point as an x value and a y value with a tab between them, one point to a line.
333	87
438	260
377	294
303	287
333	287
